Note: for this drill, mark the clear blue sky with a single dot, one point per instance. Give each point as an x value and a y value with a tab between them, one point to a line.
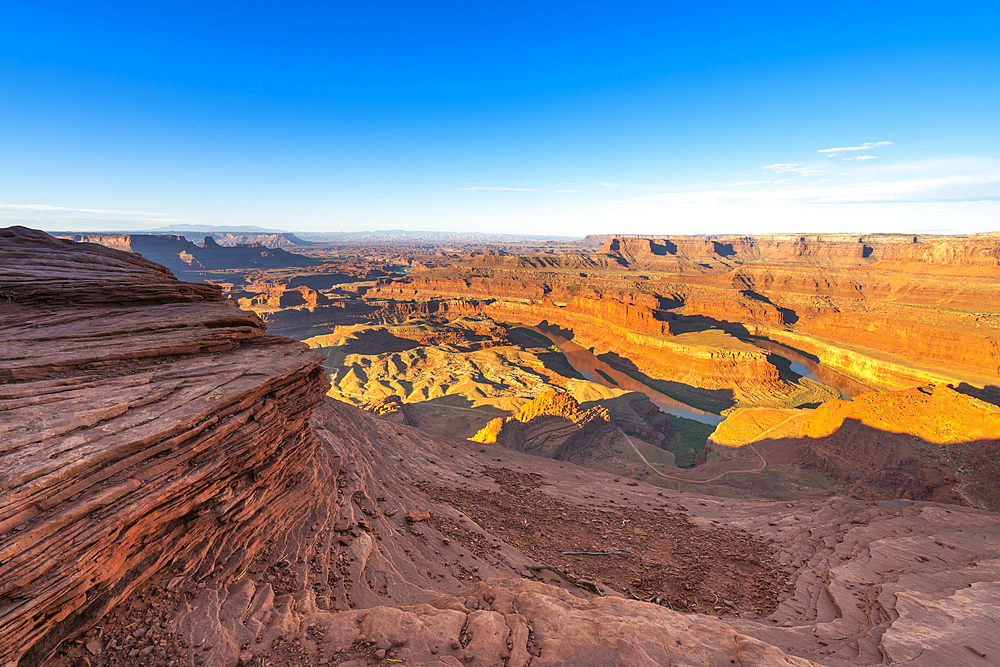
562	118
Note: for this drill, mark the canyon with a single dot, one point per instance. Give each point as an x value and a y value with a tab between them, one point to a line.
688	450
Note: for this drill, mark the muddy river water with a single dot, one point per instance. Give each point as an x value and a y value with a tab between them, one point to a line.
588	365
809	368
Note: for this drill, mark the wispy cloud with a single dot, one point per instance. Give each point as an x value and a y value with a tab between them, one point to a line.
862	157
749	183
91	211
787	167
781	167
973	179
611	185
833	152
49	216
497	189
569	190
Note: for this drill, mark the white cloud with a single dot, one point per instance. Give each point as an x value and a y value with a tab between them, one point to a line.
611	185
751	182
781	167
91	211
862	157
569	190
939	180
955	187
498	189
62	218
831	152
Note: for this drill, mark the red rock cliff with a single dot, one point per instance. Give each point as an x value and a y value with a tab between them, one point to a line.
145	421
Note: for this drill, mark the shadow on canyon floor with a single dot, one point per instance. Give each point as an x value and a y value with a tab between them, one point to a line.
872	464
551	358
988	394
681	324
709	400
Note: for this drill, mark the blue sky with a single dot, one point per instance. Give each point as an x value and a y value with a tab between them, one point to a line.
561	118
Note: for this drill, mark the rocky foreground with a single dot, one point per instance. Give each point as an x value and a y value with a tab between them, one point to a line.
175	490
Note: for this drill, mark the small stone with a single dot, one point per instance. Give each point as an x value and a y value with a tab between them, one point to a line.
414	516
146	651
380	653
455	646
384	644
134	652
246	657
94	647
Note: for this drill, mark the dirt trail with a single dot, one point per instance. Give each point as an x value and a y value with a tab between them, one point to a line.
763	465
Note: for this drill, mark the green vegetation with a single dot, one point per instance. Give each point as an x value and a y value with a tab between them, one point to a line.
691	437
606	377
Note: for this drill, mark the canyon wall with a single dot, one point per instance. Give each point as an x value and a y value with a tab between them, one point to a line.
172	493
888	311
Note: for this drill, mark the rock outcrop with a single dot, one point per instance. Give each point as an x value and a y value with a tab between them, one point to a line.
179	254
924	443
552	425
146	424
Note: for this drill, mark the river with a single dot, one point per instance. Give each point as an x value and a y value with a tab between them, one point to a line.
809	368
588	365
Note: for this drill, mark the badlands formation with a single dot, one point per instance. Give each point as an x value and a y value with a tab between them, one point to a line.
687	451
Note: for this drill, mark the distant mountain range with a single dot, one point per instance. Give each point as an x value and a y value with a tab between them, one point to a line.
195	231
238	229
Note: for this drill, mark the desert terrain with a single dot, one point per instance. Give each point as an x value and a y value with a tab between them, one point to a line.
773	450
704	351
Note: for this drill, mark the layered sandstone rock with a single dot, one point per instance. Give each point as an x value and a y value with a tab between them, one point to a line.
552	425
185	508
887	311
146	423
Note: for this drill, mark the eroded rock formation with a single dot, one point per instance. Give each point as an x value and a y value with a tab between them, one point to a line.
927	443
179	254
145	422
191	505
552	425
888	311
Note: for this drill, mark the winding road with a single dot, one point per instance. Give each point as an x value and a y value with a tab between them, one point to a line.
763	465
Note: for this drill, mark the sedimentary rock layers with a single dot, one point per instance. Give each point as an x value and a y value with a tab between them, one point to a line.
158	425
552	424
889	311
